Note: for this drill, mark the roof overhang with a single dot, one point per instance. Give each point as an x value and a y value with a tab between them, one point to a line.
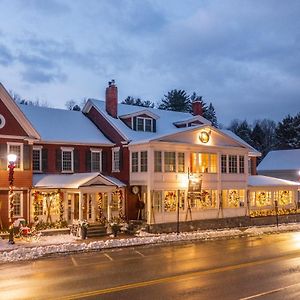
140	112
266	181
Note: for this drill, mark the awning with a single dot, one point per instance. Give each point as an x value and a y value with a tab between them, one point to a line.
74	181
266	181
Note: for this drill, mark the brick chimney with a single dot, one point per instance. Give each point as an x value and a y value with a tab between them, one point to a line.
111	99
197	108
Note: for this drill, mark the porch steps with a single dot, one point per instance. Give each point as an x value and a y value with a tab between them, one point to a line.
96	230
135	225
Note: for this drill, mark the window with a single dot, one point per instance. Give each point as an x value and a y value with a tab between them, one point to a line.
144	161
67	160
157	201
203	163
206	199
96	160
232	164
157	161
16	149
134	162
284	197
116	160
241	164
233	198
18	207
170	162
261	198
37	159
144	124
180	162
224	163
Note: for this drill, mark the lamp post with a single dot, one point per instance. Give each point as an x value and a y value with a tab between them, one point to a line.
11	166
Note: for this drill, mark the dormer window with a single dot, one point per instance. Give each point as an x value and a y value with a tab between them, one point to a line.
144	124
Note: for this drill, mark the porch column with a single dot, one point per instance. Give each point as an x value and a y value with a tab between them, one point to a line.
80	207
109	206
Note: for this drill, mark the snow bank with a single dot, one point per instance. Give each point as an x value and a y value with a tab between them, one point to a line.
67	244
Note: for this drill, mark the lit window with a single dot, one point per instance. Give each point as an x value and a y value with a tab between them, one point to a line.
116	160
180	162
157	161
16	149
232	163
37	159
134	162
170	162
18	209
96	160
233	198
203	163
67	160
144	161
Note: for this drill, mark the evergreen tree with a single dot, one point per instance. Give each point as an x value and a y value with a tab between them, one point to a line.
137	102
176	100
241	129
210	115
257	137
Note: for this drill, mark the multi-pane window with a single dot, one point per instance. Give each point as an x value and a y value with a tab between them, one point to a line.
17	150
224	163
18	204
37	159
95	160
170	161
116	160
157	201
233	198
180	162
67	160
144	124
144	161
157	161
134	162
203	163
241	164
232	159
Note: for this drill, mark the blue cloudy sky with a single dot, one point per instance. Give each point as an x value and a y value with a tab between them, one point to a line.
243	56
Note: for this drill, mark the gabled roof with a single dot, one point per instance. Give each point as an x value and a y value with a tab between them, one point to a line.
281	160
73	181
17	113
164	123
265	181
141	112
192	119
64	126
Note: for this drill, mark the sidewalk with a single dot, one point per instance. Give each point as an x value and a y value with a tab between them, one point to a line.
63	244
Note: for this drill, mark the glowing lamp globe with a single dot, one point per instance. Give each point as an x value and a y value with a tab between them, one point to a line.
12	158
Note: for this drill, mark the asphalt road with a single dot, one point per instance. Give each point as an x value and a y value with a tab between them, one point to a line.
265	267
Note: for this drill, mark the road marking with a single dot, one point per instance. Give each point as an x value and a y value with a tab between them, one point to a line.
109	257
178	277
141	254
269	292
74	261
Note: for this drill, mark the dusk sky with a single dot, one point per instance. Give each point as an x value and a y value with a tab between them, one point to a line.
243	56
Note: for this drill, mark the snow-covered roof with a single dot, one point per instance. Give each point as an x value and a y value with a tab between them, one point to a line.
164	122
281	160
253	151
73	181
265	181
64	126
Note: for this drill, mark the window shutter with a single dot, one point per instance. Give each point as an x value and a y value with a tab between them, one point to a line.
58	160
88	160
27	157
104	161
76	160
3	157
44	160
134	123
121	159
154	125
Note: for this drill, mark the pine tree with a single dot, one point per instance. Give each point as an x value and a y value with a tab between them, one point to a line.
241	129
176	100
137	102
210	115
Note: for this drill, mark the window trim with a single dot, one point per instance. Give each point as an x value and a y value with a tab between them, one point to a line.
37	148
137	159
93	150
146	159
114	150
144	124
21	154
67	149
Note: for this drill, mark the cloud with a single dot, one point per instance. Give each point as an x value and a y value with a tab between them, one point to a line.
33	75
48	7
6	58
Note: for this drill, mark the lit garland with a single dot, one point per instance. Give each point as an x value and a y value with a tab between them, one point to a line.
36	206
272	212
120	204
284	198
100	216
233	199
61	205
170	201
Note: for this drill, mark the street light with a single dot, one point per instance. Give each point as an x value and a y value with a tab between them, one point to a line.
11	166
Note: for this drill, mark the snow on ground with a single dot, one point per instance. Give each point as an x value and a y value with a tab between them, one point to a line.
46	245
